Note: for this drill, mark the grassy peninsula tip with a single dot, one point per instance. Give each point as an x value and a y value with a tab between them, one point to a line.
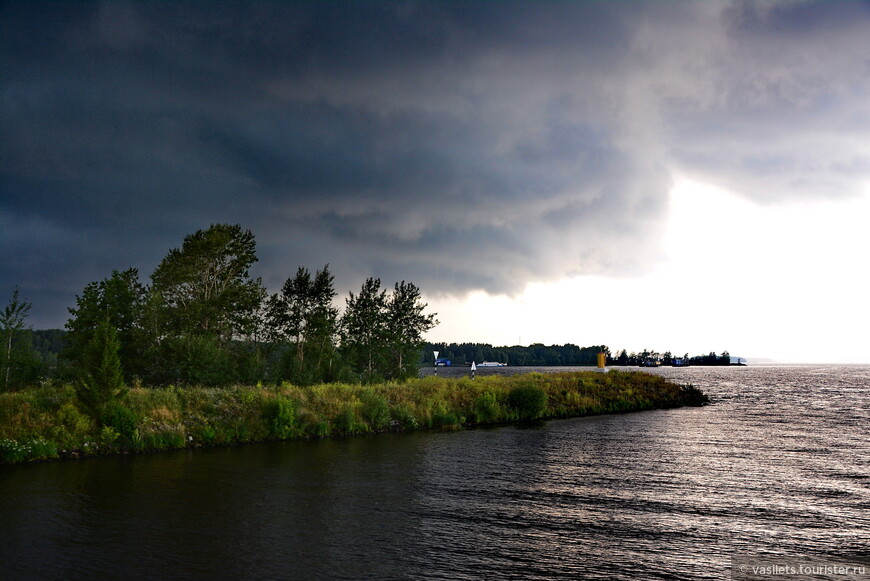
46	422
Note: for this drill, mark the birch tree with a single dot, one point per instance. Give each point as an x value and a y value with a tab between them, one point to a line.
363	337
14	348
405	325
303	317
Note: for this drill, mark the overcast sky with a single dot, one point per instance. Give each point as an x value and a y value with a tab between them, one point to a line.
505	157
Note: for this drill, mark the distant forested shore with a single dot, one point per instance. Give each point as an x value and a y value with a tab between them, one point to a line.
540	355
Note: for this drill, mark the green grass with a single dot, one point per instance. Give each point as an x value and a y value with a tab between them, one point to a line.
43	423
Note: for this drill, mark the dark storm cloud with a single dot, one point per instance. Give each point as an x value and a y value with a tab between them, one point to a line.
459	145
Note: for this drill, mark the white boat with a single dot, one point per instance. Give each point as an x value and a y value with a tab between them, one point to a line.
491	364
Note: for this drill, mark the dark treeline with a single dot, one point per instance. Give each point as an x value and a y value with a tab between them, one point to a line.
47	343
28	355
653	358
538	354
202	319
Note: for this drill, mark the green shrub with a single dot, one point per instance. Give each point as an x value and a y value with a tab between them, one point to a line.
205	434
109	436
404	417
375	409
444	418
487	408
528	401
346	422
162	440
122	420
320	429
70	427
43	449
70	417
693	396
49	398
280	413
12	452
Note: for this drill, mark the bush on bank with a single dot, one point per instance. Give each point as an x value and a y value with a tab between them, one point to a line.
46	422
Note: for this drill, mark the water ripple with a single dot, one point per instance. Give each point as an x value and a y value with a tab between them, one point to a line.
779	465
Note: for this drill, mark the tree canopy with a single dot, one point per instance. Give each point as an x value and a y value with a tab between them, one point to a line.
205	320
121	299
303	317
205	287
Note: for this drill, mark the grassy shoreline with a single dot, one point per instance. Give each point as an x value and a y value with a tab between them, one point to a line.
45	423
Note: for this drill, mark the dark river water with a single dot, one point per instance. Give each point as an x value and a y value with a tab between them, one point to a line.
778	466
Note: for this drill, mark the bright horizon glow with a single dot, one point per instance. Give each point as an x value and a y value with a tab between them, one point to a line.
785	282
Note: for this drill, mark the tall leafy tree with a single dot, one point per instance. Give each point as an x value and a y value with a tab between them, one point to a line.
205	307
102	381
405	325
364	329
121	299
16	356
204	287
322	326
303	316
381	333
